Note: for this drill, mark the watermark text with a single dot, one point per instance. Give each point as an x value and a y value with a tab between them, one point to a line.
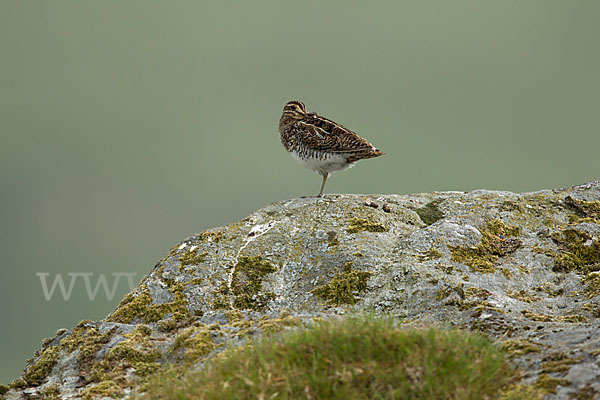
87	277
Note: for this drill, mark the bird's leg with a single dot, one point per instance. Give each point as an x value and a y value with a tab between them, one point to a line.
323	184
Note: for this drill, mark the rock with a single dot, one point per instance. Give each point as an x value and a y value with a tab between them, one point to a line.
522	268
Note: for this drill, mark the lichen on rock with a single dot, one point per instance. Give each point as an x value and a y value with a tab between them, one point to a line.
523	269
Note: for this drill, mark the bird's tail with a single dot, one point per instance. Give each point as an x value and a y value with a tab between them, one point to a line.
376	153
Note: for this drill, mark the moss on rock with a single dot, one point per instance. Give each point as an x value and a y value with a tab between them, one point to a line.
494	244
104	389
37	372
548	384
431	254
195	341
585	393
592	282
554	318
210	236
192	258
430	213
86	338
578	252
140	307
246	282
558	362
522	392
362	224
274	325
519	347
342	289
135	354
522	295
585	209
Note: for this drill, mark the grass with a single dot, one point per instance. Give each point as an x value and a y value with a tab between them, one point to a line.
353	358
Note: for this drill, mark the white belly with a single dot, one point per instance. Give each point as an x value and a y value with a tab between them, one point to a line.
323	165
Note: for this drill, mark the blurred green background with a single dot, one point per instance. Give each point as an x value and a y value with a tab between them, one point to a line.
128	125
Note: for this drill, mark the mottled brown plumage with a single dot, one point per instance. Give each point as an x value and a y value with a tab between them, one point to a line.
319	143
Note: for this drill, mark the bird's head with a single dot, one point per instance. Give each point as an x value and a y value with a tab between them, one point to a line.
294	109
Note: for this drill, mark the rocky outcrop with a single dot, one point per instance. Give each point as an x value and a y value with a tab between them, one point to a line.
522	268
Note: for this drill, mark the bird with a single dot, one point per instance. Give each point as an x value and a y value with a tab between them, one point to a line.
319	143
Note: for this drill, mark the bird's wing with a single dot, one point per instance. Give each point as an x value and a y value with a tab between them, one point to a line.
325	135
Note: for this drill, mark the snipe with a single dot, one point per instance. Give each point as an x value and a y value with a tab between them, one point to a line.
319	143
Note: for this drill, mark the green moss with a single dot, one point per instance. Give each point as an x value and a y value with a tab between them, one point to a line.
522	295
506	272
210	236
236	317
509	205
18	383
194	282
136	353
220	294
498	228
442	293
523	392
477	292
494	244
431	279
585	209
361	224
554	318
39	370
103	389
192	258
3	389
431	254
274	325
430	213
140	307
519	347
463	305
547	288
585	393
537	249
523	269
592	308
343	286
246	283
199	345
51	392
484	306
132	307
592	282
88	340
549	384
138	358
558	362
446	269
476	299
243	325
195	341
577	252
221	304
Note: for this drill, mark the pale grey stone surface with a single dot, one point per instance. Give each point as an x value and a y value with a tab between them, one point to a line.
406	242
